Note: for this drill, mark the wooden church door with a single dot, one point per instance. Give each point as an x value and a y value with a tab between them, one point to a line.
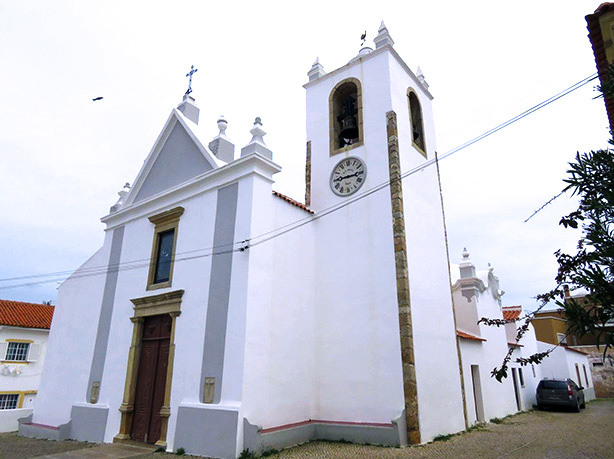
151	379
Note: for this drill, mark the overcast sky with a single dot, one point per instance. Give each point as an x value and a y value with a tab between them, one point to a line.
64	157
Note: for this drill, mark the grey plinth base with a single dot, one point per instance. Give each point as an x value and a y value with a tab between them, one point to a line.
32	430
88	422
259	441
208	431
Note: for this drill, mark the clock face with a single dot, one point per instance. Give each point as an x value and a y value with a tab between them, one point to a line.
348	176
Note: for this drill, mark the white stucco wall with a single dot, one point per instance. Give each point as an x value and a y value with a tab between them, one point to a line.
71	341
532	373
561	364
279	373
195	232
498	398
357	360
437	366
29	375
24	379
9	418
355	245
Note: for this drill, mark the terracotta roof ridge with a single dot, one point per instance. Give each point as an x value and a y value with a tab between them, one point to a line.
27	303
26	315
462	334
289	200
574	349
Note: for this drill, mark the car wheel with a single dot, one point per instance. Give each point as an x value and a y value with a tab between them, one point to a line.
576	408
583	404
540	407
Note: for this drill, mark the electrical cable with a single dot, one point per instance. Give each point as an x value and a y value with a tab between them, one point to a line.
267	236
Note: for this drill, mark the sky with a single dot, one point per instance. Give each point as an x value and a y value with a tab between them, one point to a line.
65	157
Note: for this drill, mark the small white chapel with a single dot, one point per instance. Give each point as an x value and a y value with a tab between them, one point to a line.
220	315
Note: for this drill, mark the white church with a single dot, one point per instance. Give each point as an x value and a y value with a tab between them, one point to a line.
220	315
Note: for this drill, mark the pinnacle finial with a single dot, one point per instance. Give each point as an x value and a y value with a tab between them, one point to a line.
257	145
221	146
222	125
421	78
383	37
122	197
316	70
465	254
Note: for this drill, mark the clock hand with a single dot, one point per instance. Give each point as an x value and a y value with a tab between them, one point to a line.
355	174
338	179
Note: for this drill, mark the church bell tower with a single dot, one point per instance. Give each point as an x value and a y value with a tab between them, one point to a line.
369	125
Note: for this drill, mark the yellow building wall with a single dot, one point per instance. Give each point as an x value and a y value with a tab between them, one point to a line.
547	328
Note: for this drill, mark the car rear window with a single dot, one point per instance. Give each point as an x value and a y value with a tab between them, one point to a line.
555	385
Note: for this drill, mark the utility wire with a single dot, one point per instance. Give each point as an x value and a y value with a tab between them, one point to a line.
267	236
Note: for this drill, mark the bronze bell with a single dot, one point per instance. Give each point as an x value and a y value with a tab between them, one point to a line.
349	129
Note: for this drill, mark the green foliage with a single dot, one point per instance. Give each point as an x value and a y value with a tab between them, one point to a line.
607	87
180	451
478	426
247	454
160	449
497	420
590	177
270	452
443	437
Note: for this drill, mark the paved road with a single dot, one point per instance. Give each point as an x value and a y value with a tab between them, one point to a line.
537	434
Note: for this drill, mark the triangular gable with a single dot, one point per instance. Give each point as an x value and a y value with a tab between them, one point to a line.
176	157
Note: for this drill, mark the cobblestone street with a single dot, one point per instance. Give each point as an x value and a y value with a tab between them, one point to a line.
536	434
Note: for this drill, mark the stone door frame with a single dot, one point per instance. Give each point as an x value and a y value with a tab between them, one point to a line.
165	303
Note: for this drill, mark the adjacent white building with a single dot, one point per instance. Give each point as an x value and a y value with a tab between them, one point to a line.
566	362
477	295
24	329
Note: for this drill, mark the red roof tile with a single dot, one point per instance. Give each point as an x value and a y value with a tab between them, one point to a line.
462	334
511	312
27	315
292	201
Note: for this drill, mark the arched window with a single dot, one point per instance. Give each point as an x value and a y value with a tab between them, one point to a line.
417	126
345	115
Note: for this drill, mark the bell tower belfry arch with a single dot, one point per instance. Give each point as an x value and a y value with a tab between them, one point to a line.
385	244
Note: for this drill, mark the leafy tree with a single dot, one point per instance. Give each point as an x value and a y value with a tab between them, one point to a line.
591	178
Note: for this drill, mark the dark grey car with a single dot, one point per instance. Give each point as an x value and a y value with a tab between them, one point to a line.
560	392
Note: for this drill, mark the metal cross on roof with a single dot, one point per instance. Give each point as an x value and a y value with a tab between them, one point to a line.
192	72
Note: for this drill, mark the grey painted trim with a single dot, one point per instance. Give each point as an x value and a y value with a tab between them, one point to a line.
88	422
219	289
257	442
178	161
27	429
207	431
106	311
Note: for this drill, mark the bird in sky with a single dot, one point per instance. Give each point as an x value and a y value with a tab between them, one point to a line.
363	37
97	98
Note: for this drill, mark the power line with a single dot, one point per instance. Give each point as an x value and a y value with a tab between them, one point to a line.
267	236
